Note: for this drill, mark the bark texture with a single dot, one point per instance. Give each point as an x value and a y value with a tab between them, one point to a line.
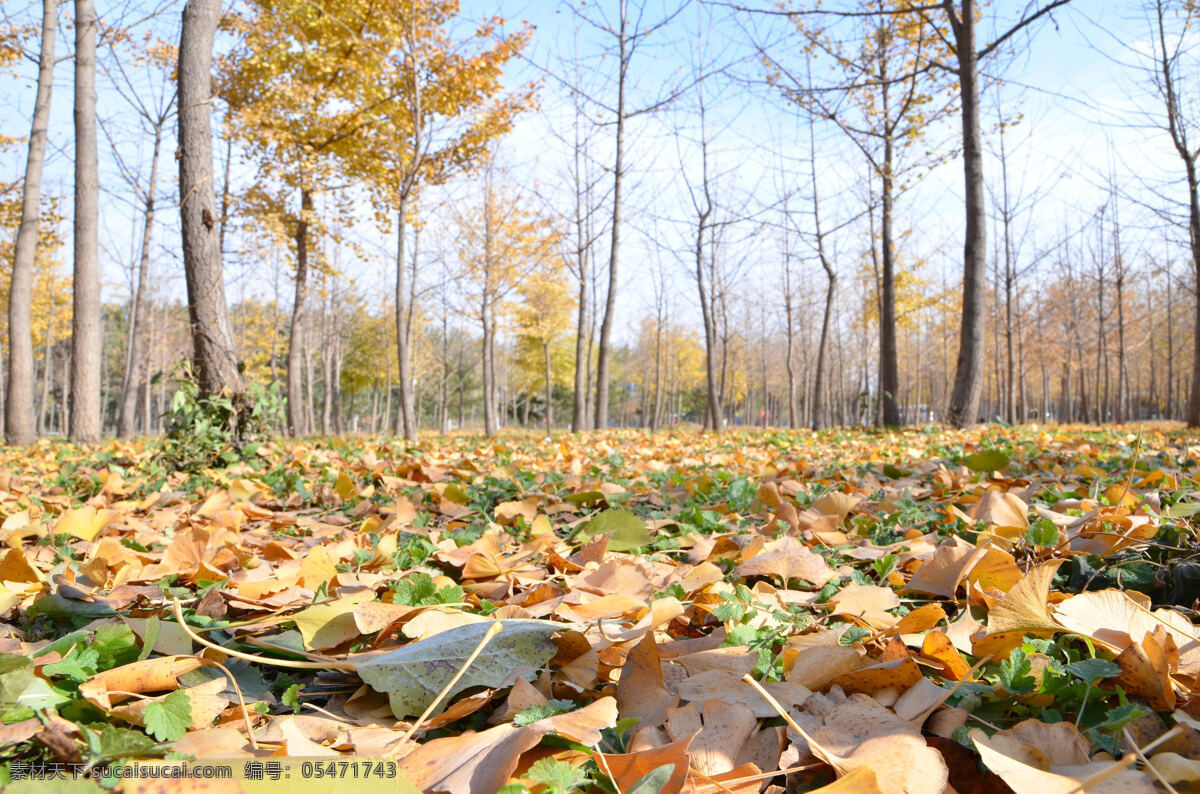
963	410
212	334
19	422
87	329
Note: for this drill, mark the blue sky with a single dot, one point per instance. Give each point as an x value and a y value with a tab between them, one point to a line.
1071	82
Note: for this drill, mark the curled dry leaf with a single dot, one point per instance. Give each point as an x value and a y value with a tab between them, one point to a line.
858	732
151	675
1176	769
626	769
1118	618
817	666
898	674
942	573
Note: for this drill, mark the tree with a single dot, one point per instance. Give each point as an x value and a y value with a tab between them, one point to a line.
19	420
87	331
583	175
702	261
542	318
1182	128
968	375
954	23
444	106
211	332
500	242
628	32
154	109
883	99
819	418
301	86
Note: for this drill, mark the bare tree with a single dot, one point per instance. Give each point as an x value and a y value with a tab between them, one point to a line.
624	52
954	23
700	193
1181	127
19	421
154	112
627	32
819	386
968	375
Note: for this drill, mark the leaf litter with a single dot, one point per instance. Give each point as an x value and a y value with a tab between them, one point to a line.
917	611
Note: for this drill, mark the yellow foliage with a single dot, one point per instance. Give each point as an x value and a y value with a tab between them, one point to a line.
543	319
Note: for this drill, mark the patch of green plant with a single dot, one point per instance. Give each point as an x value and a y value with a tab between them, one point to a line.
418	590
204	431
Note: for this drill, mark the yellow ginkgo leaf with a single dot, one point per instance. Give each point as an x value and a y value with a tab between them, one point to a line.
326	625
345	486
1025	607
84	522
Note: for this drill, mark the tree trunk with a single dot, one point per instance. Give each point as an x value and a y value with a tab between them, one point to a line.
64	390
87	330
326	373
1122	407
137	307
18	418
387	395
225	195
47	366
1193	410
1171	336
147	377
715	410
489	372
601	420
549	388
889	360
790	338
406	420
295	354
1009	277
335	386
968	376
656	407
817	409
579	417
212	334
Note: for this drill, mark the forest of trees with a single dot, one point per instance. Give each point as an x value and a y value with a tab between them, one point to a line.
410	216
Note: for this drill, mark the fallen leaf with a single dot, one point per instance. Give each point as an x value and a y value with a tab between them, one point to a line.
414	674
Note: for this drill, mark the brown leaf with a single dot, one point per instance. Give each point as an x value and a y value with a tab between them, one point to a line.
942	573
471	763
641	692
938	647
718	731
1145	672
921	619
628	768
787	559
1026	778
904	762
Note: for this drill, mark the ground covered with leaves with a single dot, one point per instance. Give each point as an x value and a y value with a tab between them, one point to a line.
919	611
